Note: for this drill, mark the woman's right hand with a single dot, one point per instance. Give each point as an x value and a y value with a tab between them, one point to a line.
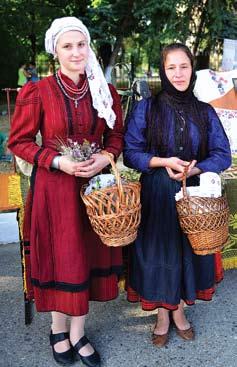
68	166
175	168
191	170
176	164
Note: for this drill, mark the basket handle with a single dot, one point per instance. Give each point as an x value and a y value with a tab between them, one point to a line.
116	174
184	187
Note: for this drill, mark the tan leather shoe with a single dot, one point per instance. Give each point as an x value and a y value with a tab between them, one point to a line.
187	334
160	340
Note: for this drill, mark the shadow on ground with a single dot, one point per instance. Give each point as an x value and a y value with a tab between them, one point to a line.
121	331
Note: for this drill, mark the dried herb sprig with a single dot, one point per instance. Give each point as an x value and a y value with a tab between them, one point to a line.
77	152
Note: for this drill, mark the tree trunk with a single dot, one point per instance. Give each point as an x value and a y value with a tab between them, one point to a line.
122	27
133	67
200	27
109	67
32	37
105	51
203	60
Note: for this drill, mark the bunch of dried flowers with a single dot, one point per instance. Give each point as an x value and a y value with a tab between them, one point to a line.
77	152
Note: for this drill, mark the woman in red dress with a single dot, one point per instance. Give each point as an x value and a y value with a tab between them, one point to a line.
69	264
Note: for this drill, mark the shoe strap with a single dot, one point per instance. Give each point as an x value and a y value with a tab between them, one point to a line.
55	338
81	343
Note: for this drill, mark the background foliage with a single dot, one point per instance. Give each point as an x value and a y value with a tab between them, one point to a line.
133	30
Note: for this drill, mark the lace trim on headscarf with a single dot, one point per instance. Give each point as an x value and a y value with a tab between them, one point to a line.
101	97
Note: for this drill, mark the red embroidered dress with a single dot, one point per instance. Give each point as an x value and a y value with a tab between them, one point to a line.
69	264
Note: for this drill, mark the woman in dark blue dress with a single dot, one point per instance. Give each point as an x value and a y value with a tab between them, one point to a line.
164	134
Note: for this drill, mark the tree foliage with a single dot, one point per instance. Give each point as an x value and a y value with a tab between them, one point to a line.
125	29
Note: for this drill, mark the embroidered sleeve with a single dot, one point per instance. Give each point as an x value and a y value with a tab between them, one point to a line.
25	126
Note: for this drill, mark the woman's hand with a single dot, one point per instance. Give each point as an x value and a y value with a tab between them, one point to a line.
173	163
71	168
100	161
173	175
176	164
189	170
192	170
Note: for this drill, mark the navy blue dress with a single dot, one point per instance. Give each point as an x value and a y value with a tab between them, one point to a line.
163	268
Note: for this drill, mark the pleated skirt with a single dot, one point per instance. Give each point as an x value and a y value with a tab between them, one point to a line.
163	270
67	265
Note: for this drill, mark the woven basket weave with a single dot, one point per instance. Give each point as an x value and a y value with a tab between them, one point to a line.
114	212
205	221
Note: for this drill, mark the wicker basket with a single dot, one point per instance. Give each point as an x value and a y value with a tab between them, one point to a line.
205	221
115	211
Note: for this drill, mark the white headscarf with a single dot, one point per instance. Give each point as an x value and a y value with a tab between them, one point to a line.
101	96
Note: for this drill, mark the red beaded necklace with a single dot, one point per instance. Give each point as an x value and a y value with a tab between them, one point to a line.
65	88
71	89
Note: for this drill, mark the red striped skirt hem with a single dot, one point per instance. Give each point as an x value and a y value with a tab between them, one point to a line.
205	295
76	303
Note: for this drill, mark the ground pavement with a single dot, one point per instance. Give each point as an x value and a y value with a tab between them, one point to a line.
121	330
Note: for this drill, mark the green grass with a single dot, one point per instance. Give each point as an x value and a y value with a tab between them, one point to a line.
234	160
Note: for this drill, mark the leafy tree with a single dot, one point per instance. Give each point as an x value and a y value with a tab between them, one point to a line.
201	23
125	29
23	24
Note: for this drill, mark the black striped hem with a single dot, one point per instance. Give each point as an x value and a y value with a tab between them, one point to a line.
68	287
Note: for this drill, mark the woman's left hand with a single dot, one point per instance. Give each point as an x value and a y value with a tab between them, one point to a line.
100	162
191	171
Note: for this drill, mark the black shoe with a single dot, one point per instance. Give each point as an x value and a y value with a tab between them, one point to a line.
93	360
64	358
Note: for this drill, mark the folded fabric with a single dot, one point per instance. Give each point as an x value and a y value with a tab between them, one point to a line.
210	186
25	167
99	182
212	84
229	121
